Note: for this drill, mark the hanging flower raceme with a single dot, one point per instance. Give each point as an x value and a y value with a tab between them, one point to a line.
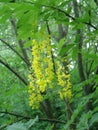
64	81
42	68
44	78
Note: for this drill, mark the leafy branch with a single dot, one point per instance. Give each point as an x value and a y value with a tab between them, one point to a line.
64	12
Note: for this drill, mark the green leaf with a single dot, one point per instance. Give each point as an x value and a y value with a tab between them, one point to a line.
4	13
61	43
83	123
49	127
5	1
31	122
64	50
27	44
94	119
17	126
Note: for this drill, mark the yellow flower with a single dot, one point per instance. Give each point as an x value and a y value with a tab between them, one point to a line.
64	81
61	95
39	97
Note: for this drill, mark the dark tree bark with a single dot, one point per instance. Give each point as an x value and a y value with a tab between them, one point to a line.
87	89
63	33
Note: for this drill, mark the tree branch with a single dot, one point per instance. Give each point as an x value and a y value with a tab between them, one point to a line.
7	44
13	71
28	117
21	43
87	89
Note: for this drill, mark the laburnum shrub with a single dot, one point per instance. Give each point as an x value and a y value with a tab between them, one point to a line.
43	77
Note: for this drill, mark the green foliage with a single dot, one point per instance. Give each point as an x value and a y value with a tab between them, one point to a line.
30	18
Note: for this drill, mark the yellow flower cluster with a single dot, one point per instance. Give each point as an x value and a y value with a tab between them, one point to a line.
42	68
64	81
42	74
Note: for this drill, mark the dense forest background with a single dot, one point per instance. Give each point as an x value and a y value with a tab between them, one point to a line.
48	65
